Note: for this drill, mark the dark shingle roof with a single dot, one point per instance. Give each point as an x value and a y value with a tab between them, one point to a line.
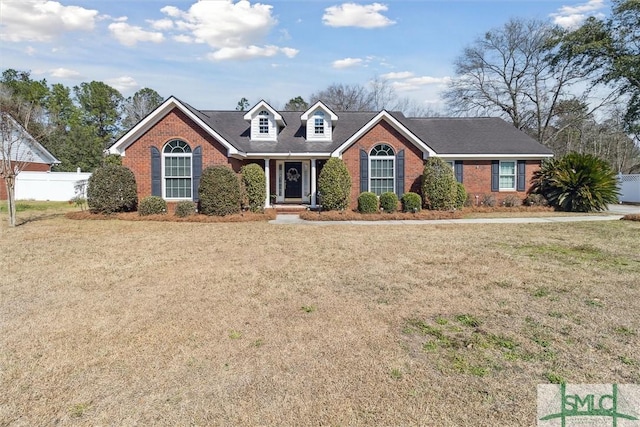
466	136
488	135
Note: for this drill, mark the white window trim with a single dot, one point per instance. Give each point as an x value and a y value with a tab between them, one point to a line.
392	158
515	175
164	177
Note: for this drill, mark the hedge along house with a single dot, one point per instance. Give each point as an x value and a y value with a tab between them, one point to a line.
384	151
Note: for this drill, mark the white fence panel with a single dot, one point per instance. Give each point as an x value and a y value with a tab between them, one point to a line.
55	186
629	188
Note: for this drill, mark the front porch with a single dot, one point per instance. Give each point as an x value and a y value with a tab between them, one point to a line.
291	183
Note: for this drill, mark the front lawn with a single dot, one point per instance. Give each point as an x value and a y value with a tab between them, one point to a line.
154	323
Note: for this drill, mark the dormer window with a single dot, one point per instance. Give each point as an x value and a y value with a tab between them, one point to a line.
318	123
263	122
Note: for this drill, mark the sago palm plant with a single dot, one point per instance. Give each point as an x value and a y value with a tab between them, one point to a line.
576	183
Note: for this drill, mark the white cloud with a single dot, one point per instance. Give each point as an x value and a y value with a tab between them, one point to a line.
64	73
123	83
129	35
250	52
235	30
161	24
398	75
347	63
42	20
573	16
405	81
30	50
356	15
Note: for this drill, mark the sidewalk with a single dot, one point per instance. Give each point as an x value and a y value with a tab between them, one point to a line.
614	213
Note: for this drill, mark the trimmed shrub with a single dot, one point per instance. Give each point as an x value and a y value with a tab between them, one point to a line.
185	208
411	202
461	195
576	183
488	200
253	185
535	200
439	189
112	188
334	184
367	202
511	201
152	205
219	191
389	201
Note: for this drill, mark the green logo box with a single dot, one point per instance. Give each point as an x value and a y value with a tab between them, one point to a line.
591	405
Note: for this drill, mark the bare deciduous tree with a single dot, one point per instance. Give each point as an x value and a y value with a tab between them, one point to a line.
511	71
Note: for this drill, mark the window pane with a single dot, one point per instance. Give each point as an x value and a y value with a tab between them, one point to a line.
178	188
507	168
507	182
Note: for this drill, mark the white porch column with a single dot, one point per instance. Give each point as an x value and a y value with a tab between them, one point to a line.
267	175
313	183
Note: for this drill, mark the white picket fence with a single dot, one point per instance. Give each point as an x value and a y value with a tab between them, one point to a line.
54	186
629	188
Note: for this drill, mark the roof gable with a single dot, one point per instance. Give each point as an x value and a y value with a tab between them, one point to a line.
25	148
158	114
396	124
264	105
319	104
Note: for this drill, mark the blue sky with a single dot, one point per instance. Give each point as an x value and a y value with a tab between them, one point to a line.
213	52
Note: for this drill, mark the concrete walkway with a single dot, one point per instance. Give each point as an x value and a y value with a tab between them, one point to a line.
615	213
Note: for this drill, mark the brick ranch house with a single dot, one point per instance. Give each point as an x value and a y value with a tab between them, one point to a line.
384	151
25	150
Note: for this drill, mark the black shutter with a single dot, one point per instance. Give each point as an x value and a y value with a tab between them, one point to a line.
364	171
521	175
196	172
156	172
400	173
457	167
495	175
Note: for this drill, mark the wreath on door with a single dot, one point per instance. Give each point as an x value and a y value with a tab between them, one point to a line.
293	175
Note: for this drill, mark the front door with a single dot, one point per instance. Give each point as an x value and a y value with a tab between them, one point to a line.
293	180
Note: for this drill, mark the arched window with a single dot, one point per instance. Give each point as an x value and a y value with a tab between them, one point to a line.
176	157
381	169
318	123
263	122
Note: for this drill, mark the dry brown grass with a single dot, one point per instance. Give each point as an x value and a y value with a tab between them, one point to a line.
631	217
267	215
152	323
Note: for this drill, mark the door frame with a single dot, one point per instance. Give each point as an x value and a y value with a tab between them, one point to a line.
281	180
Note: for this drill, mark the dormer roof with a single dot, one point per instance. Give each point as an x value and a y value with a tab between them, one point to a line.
314	108
264	105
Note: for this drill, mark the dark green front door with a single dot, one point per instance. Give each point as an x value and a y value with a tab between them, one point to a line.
293	180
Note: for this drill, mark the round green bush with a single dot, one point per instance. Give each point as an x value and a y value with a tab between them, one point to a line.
411	202
389	201
185	208
576	183
254	186
367	202
461	195
112	188
439	190
334	185
219	191
152	205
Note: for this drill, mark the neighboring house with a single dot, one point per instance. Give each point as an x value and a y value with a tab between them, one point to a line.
22	149
384	151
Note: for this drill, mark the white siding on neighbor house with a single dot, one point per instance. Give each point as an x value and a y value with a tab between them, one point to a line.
629	188
54	186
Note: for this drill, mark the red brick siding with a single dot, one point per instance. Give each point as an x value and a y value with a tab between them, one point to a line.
29	167
477	178
383	132
175	125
